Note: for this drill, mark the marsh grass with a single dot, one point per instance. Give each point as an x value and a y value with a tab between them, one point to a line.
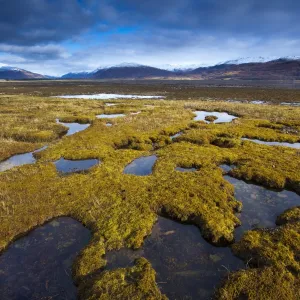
121	209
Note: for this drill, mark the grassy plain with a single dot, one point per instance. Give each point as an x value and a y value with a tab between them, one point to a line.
121	209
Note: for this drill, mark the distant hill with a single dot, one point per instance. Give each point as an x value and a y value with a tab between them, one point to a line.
131	71
79	75
11	73
280	69
287	68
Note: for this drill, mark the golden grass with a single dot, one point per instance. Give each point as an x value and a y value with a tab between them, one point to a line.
121	209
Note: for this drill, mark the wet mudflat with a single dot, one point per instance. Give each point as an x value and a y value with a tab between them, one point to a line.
19	160
187	266
65	166
283	144
38	266
261	206
73	127
222	117
141	166
110	116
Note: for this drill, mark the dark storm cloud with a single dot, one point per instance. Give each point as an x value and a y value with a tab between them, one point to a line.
75	34
29	22
256	17
44	52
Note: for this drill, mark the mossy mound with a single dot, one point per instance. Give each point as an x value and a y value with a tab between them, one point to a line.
290	215
211	119
275	255
135	283
269	283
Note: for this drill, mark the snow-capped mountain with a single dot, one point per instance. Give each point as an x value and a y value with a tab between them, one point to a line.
129	71
8	72
260	59
181	68
122	65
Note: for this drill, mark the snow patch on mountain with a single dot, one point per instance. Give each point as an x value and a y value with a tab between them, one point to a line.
183	68
260	59
8	68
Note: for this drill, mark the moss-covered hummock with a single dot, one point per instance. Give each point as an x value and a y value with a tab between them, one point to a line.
274	254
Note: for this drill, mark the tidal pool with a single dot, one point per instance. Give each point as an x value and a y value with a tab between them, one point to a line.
110	116
284	144
187	266
66	166
172	137
109	96
181	169
73	127
223	117
19	160
39	265
261	206
141	166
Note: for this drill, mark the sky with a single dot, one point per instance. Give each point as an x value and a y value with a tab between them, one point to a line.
55	37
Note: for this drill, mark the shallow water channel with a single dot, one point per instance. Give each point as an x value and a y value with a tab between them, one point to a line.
110	116
176	135
184	170
141	166
223	117
39	265
283	144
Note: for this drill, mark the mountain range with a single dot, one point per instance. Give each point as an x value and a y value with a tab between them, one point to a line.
287	68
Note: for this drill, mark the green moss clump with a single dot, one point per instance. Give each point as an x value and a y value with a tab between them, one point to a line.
135	283
269	283
275	254
290	215
211	119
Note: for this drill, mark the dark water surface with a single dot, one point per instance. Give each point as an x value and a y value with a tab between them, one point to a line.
187	266
19	160
180	169
38	266
141	166
261	206
66	166
73	127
